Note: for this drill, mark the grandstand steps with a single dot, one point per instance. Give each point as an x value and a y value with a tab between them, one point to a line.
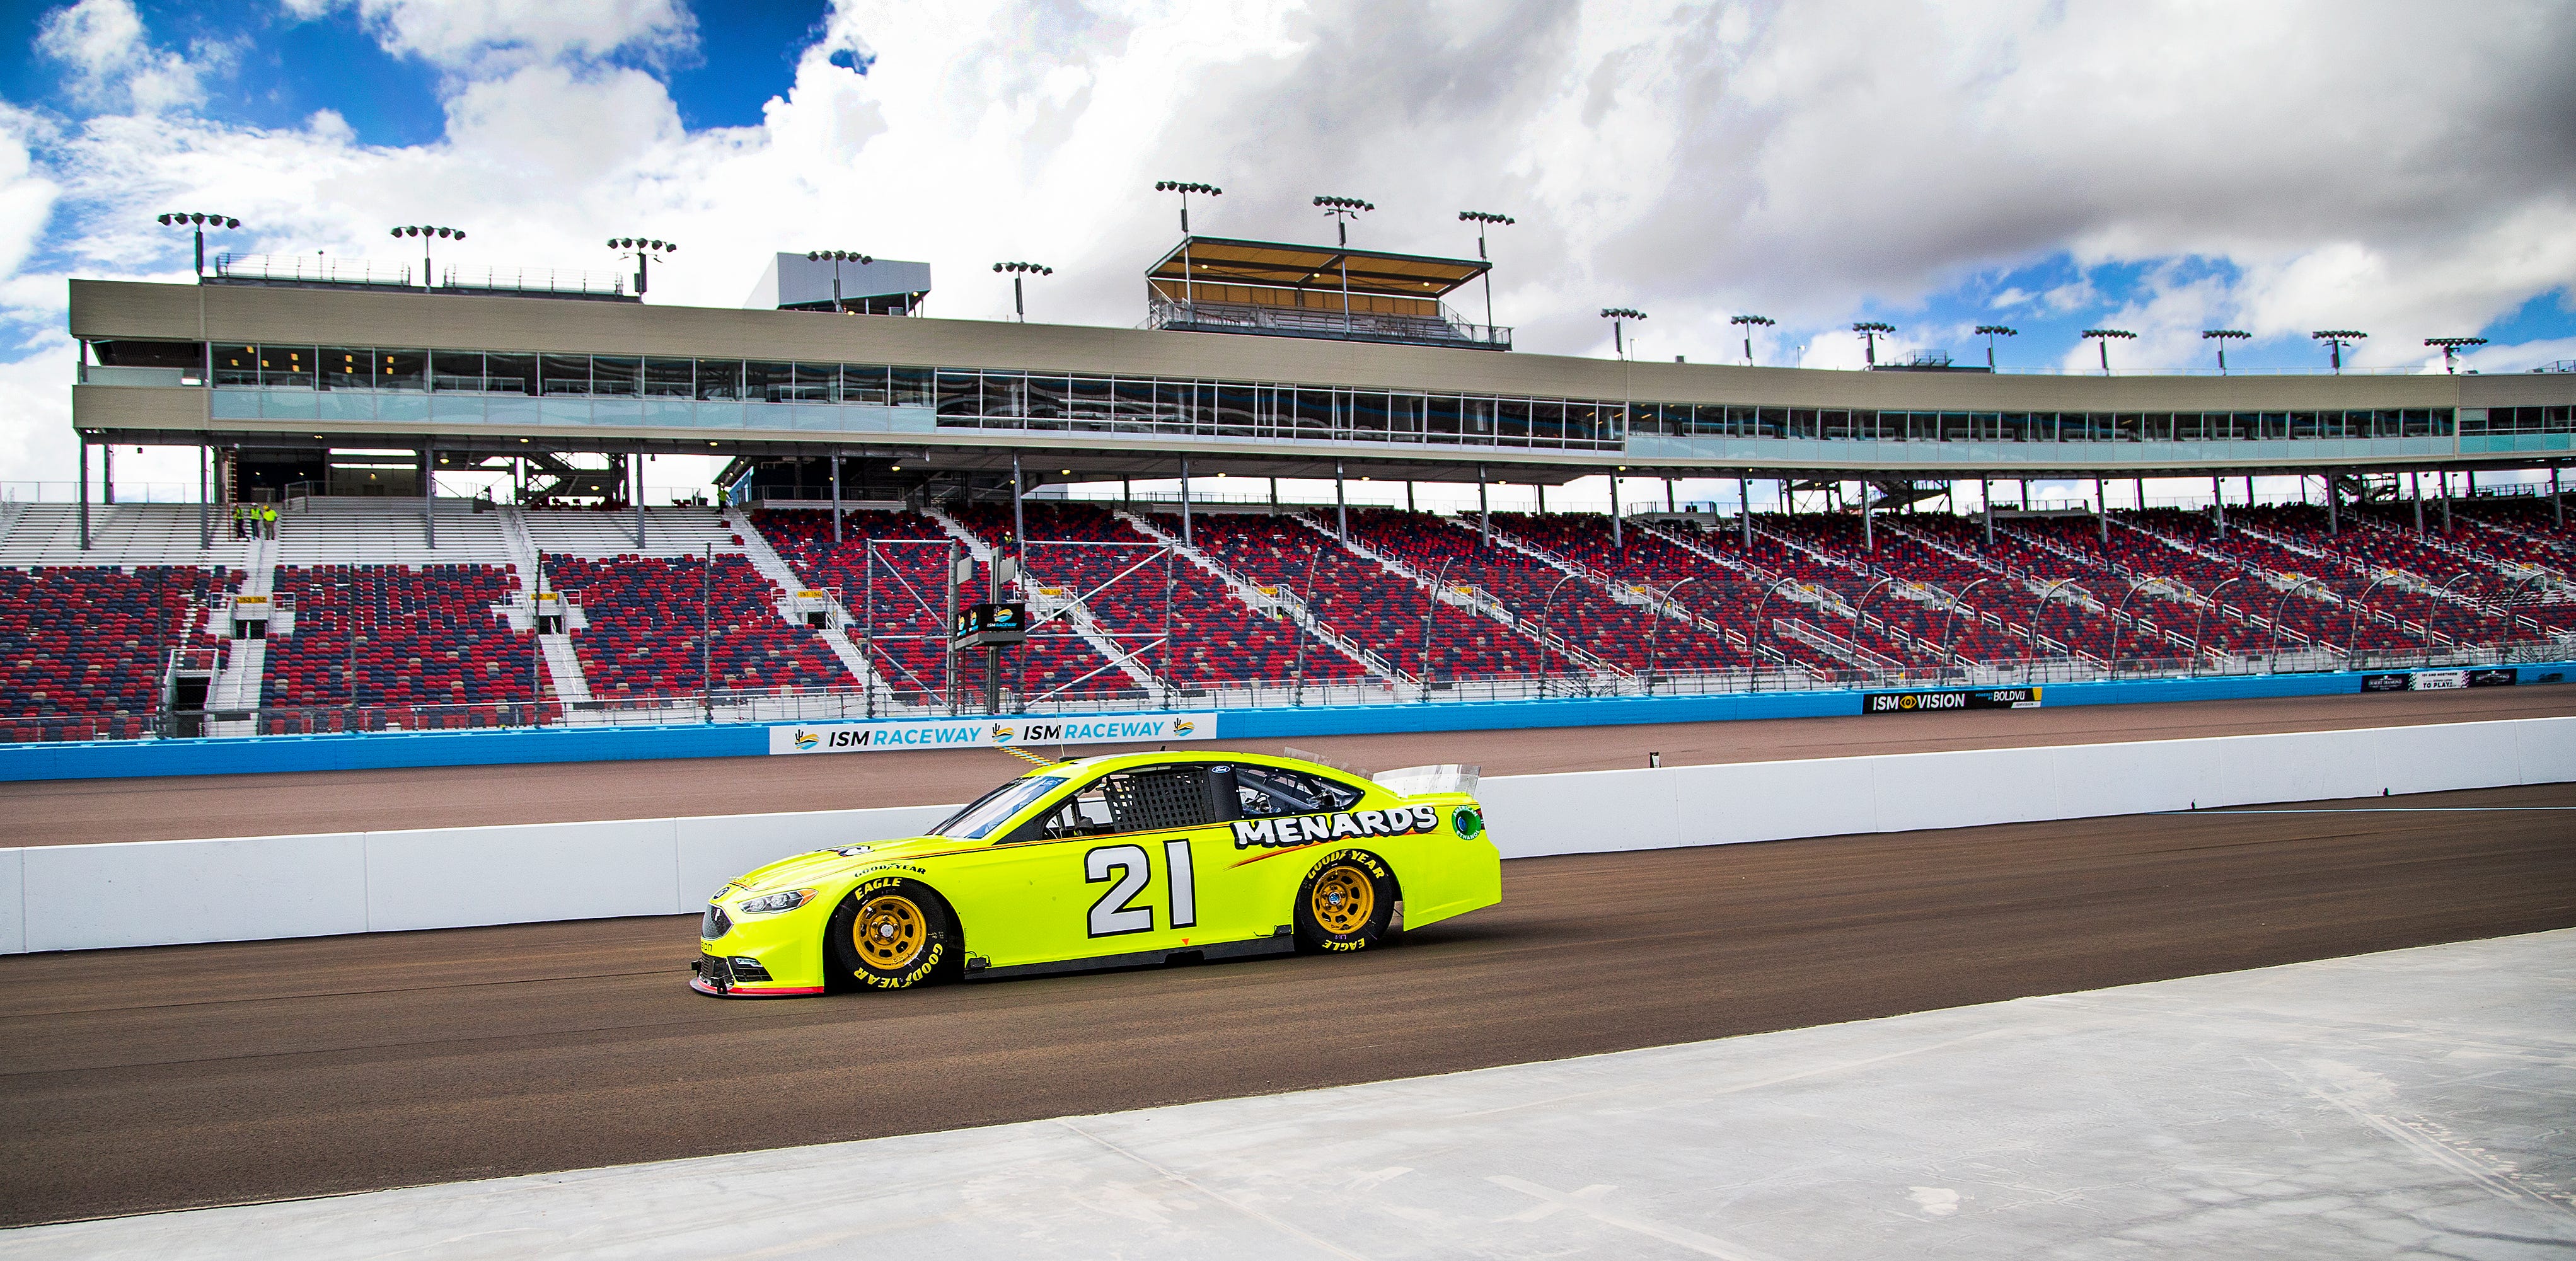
1259	603
1077	618
349	530
670	533
2246	617
785	580
232	704
563	669
1636	595
121	535
1566	647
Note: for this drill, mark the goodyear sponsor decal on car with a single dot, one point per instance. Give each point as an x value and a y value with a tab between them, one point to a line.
1307	829
989	733
1933	702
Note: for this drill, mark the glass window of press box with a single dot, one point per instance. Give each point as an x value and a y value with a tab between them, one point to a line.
1073	402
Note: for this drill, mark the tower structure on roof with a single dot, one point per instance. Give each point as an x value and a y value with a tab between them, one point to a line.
1275	289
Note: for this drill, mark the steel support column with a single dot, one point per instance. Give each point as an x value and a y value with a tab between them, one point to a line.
2218	504
429	496
84	494
2101	510
1744	509
1616	539
2334	511
836	498
2415	491
1986	507
1868	535
1341	506
1484	515
1019	522
1185	501
205	523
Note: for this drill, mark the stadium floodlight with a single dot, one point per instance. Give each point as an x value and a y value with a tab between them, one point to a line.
428	234
1619	316
838	257
1990	332
1482	220
1871	331
2336	339
1748	323
1343	210
644	251
197	222
2102	338
1019	306
1189	279
2452	346
2223	336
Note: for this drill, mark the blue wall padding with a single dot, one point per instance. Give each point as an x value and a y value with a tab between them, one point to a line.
116	759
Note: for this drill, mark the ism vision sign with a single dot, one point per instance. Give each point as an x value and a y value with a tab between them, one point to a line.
990	733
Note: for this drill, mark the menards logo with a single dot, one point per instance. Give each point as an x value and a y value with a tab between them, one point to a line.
1306	829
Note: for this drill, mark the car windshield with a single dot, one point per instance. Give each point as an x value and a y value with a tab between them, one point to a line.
993	808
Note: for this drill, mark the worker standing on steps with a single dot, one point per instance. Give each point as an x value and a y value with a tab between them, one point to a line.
268	522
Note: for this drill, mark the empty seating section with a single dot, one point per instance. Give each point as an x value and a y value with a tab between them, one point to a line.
907	598
1646	566
77	640
1215	637
1465	644
2485	569
1357	598
398	635
1904	589
644	633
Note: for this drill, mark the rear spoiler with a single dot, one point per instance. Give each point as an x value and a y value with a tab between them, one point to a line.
1413	781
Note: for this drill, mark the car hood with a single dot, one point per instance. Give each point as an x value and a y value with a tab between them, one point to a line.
821	866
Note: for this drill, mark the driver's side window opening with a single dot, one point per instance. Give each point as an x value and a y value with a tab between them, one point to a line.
1268	791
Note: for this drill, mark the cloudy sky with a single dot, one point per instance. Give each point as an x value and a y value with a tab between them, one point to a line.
2408	170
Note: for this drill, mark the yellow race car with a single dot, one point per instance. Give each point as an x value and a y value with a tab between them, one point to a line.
1112	861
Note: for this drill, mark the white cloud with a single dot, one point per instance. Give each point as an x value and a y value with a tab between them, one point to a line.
2323	164
113	64
462	34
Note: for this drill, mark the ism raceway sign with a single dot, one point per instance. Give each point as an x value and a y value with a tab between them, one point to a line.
990	733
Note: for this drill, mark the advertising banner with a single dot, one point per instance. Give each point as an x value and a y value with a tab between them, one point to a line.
2440	680
1935	702
2491	678
990	733
2383	683
2437	680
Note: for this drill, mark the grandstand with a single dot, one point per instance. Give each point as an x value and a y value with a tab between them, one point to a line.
887	471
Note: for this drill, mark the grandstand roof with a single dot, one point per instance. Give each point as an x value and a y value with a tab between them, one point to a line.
1223	260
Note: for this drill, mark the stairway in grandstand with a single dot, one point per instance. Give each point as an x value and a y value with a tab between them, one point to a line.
791	589
1076	615
120	535
1260	601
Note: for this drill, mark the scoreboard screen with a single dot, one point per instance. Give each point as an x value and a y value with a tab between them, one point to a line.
991	625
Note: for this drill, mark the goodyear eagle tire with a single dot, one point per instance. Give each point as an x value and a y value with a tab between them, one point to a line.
891	933
1349	902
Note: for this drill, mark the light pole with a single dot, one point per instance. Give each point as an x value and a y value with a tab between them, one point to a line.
1189	279
1019	304
1618	317
1871	331
428	234
1482	219
2452	346
2336	339
1990	332
644	252
2102	338
1343	210
1748	323
198	223
837	258
2223	336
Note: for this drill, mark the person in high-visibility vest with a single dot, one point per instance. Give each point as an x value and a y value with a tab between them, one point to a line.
268	520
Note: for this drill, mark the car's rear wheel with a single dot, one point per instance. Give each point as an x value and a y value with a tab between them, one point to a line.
890	933
1349	902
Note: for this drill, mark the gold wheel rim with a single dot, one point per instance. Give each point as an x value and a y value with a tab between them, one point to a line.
1343	900
889	932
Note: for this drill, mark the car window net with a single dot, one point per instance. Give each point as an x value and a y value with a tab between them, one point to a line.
1162	799
1267	791
989	810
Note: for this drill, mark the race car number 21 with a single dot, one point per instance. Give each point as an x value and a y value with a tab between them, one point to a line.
1128	868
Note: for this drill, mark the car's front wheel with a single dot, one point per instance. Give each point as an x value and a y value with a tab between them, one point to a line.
1349	902
890	933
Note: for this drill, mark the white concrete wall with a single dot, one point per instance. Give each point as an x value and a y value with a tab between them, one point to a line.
81	897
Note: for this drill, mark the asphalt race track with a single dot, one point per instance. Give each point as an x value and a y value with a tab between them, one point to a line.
186	807
190	1075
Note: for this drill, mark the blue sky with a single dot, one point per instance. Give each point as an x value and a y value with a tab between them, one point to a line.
2048	167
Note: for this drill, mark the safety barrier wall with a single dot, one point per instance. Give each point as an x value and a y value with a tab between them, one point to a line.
76	897
116	759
